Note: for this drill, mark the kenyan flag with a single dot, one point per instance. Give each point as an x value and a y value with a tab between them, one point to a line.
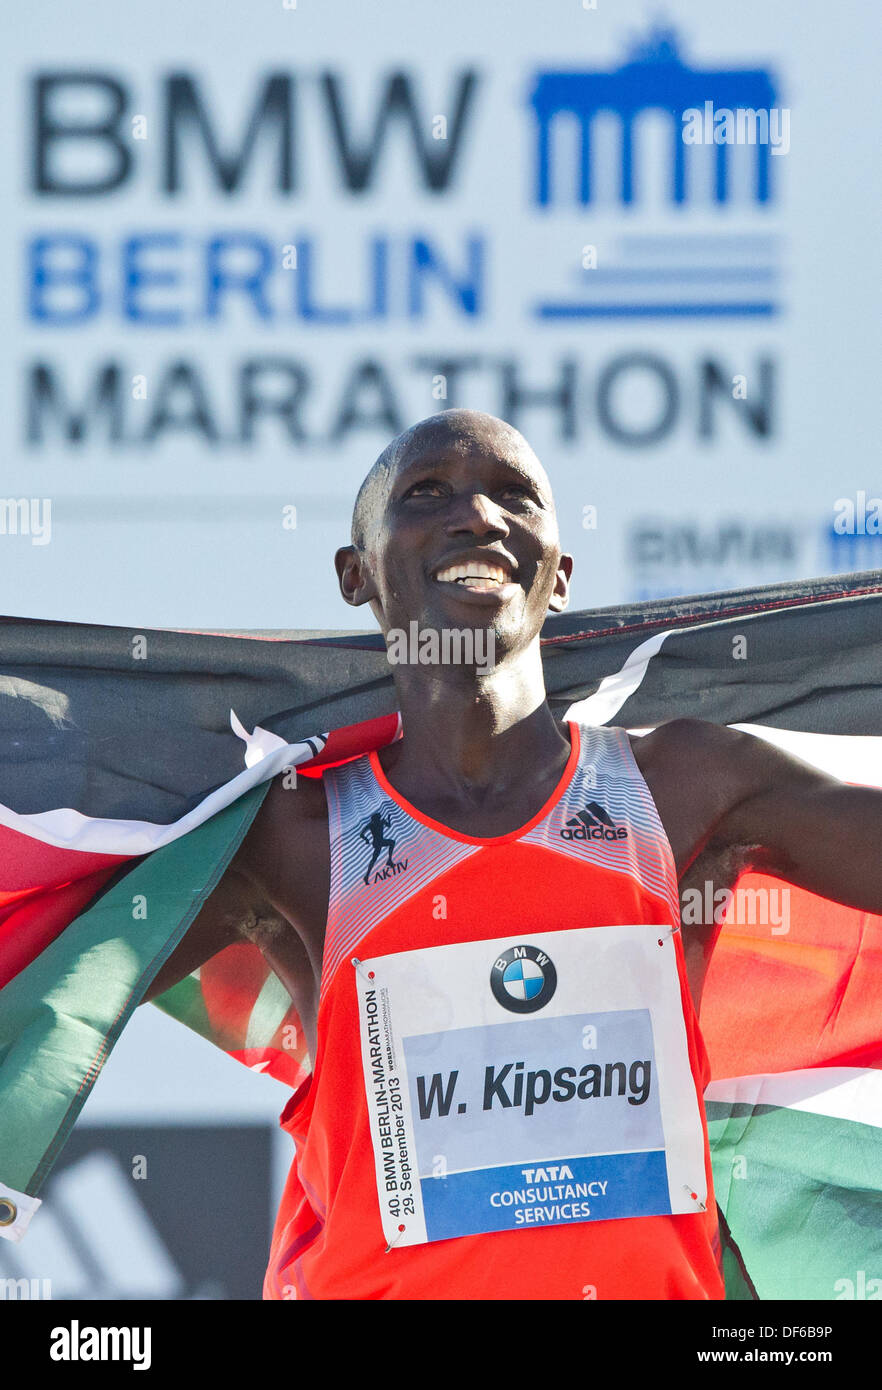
132	765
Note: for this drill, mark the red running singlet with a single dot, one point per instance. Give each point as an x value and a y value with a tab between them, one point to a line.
551	1140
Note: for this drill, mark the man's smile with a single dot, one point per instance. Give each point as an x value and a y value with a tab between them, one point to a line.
478	577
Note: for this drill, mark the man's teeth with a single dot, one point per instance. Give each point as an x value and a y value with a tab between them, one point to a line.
473	571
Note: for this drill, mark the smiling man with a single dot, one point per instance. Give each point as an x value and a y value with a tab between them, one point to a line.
480	927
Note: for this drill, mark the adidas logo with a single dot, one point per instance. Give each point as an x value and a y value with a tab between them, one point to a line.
593	824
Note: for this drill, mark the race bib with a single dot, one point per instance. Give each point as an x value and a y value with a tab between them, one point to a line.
529	1081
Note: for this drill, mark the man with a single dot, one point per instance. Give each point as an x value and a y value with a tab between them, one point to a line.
508	1071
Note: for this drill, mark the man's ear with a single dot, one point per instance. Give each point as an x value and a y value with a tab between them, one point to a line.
560	595
356	584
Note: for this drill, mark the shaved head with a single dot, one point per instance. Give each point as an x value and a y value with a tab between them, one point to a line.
462	429
457	490
373	489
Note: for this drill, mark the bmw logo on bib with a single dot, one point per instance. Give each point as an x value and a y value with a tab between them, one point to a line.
523	979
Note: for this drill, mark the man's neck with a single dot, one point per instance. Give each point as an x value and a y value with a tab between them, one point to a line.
468	735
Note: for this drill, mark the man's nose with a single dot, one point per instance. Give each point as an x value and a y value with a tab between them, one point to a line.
477	514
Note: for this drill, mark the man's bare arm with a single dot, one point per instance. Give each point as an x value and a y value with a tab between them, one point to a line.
274	893
231	913
800	824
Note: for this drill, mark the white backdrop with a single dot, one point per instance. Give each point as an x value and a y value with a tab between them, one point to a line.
179	519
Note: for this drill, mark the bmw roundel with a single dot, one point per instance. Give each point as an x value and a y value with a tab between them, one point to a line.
523	979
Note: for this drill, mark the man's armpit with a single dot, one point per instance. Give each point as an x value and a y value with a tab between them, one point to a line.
262	925
720	865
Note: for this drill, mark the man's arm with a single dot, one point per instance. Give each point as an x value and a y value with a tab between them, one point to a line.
274	893
800	824
235	911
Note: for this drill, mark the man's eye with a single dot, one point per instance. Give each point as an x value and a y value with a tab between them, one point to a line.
427	485
518	490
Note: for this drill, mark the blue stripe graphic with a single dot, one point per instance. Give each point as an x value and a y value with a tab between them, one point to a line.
669	275
657	311
744	241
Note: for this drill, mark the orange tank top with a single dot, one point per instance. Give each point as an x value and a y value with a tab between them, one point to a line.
506	1100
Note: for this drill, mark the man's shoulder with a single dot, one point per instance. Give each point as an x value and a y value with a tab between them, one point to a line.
688	736
291	825
293	798
691	739
713	762
718	766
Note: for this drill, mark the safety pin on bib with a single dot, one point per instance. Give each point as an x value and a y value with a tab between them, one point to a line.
694	1196
401	1230
365	974
667	936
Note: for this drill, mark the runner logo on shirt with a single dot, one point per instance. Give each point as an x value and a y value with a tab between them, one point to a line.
523	979
375	833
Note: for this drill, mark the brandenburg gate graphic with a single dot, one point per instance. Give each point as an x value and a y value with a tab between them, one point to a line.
654	78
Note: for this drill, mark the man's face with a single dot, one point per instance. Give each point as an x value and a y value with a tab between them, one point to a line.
464	537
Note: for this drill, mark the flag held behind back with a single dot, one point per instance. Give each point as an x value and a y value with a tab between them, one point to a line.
108	759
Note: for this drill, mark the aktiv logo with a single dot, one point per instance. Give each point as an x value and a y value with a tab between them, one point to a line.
593	824
374	831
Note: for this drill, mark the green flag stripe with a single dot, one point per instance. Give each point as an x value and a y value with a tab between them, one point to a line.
847	1093
62	1015
184	1002
802	1192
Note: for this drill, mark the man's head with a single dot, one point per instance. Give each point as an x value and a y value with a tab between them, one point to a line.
454	526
